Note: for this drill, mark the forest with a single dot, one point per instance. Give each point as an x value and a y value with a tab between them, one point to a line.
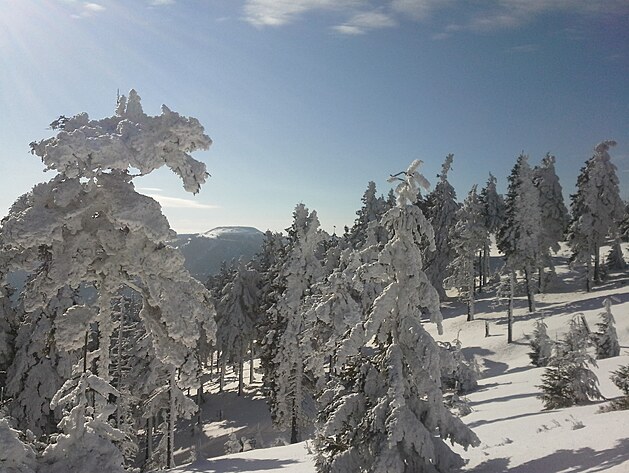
106	339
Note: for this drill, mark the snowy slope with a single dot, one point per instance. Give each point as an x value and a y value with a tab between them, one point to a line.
205	252
516	434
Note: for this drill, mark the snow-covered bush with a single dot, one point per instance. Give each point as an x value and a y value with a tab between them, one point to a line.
541	344
606	338
16	455
568	380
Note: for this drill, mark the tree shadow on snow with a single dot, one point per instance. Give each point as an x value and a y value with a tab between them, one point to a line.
238	465
576	461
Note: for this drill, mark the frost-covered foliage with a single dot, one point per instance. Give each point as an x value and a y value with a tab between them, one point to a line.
615	260
87	441
553	212
292	405
493	213
236	313
384	411
41	366
372	210
8	324
16	454
87	228
441	211
457	373
519	236
469	237
541	344
568	380
596	209
606	338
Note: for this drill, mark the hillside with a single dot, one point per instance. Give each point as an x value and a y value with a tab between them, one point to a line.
205	252
516	434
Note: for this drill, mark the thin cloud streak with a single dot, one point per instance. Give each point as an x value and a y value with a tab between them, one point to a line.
360	17
179	203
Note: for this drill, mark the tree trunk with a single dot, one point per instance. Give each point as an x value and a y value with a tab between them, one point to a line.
221	380
149	439
170	447
529	290
241	369
294	434
480	271
540	279
211	363
588	274
597	274
510	310
470	297
251	362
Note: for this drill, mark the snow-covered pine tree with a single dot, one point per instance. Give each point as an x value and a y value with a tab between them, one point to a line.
268	263
87	441
468	238
493	212
441	210
371	211
88	227
596	209
553	214
384	411
541	344
236	317
292	404
40	366
518	237
620	378
568	380
606	337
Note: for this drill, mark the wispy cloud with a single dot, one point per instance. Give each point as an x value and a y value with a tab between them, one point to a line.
178	203
161	2
86	9
359	16
282	12
524	48
361	23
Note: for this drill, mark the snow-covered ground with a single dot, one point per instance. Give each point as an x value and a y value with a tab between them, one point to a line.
516	434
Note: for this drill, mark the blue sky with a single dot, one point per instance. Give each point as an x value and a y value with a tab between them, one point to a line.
308	100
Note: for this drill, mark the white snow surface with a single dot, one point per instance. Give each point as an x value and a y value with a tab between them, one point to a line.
517	435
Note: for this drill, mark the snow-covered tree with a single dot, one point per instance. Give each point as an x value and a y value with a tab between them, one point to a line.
553	213
87	441
441	210
596	209
40	366
385	411
236	317
468	238
568	380
541	344
87	227
16	454
493	213
518	238
371	211
606	338
292	404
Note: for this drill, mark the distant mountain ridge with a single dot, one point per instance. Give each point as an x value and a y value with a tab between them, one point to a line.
205	252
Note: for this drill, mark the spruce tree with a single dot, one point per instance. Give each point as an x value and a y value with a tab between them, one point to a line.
553	214
493	213
441	209
385	410
568	380
541	344
519	236
606	338
596	209
469	237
